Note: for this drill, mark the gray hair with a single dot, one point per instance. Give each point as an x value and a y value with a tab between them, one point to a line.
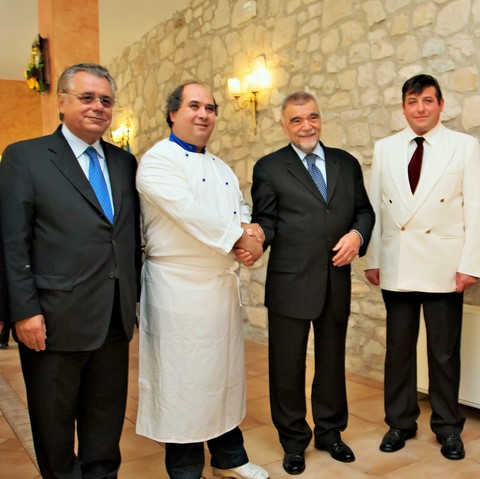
298	98
65	81
64	84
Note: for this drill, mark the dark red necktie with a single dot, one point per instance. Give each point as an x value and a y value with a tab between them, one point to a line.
415	165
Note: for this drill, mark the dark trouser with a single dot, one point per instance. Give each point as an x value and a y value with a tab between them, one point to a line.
4	333
287	343
186	461
443	322
87	388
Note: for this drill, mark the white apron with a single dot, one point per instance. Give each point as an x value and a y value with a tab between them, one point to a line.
191	356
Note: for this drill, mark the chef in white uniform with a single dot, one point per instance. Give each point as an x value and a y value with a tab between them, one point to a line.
196	230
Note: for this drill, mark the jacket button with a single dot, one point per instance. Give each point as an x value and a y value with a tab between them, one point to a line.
111	275
428	232
403	228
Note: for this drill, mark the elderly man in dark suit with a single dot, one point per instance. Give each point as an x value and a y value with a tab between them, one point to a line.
70	227
312	205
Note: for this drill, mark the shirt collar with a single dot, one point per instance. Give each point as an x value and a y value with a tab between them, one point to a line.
430	136
79	146
317	151
184	144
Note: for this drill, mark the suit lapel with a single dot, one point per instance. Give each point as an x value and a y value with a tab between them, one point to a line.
62	156
432	172
115	173
398	168
297	169
333	170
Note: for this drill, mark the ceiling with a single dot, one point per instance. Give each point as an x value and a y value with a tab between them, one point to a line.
121	23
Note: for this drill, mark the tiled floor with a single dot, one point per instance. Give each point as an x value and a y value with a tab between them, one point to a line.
144	459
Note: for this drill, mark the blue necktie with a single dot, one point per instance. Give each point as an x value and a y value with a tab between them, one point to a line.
95	176
316	174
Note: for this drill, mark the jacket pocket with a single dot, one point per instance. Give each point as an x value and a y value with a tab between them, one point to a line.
53	281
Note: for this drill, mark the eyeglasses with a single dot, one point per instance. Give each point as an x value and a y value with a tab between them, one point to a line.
87	99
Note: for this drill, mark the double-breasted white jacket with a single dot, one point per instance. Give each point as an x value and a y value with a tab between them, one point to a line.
420	241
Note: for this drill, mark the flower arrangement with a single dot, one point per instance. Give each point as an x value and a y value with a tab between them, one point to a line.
34	73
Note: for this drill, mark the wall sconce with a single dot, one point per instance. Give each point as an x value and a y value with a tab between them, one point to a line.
121	136
257	81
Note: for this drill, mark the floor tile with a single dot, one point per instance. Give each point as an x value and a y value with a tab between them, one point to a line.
17	465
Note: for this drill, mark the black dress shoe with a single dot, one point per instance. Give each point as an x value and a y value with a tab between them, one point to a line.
338	450
452	446
294	463
394	439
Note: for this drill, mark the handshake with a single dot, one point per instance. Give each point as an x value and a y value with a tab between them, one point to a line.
249	246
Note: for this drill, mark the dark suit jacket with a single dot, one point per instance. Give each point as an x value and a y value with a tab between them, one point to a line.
63	258
301	229
3	288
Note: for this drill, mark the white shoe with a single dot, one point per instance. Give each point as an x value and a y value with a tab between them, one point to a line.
247	471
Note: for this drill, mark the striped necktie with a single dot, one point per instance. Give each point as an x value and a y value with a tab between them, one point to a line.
316	174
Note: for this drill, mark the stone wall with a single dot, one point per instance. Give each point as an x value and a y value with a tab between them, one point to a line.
354	55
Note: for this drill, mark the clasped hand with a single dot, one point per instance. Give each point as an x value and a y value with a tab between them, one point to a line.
250	245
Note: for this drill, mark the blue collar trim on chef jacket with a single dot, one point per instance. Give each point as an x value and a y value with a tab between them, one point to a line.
184	144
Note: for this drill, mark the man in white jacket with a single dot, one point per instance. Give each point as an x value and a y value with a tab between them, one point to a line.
424	253
196	227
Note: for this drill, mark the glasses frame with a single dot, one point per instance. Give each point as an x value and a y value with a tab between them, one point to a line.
81	97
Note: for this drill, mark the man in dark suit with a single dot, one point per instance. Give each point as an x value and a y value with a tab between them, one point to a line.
72	253
312	242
